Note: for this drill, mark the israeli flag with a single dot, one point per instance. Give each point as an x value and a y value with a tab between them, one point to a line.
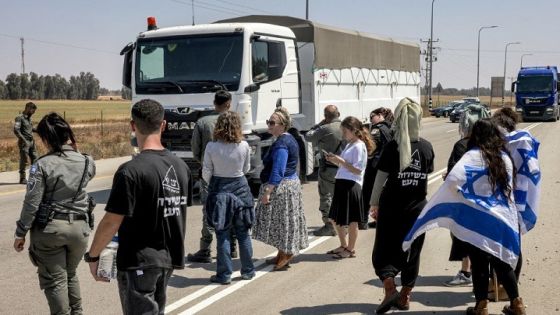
524	151
465	205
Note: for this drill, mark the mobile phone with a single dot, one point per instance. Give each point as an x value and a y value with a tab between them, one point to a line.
325	152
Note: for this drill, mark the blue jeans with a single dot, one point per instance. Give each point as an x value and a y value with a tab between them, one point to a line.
225	266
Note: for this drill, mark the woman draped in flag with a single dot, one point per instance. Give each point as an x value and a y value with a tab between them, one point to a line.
398	196
476	203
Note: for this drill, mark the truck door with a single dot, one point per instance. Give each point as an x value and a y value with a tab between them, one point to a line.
268	64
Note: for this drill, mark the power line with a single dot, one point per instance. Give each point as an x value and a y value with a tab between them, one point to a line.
502	51
245	6
61	44
224	10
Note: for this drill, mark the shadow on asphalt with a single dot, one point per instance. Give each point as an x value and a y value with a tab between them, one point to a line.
431	281
362	308
180	282
343	308
14	183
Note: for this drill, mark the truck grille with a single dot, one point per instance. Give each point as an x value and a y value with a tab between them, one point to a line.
533	110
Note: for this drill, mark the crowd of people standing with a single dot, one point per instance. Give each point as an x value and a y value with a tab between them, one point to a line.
379	172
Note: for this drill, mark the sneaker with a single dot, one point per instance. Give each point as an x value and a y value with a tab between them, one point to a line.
325	230
202	256
214	279
248	276
362	226
460	280
23	181
372	224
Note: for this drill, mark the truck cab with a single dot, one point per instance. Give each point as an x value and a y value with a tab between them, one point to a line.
536	93
266	62
182	67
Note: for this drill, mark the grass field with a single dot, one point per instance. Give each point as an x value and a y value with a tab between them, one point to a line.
101	127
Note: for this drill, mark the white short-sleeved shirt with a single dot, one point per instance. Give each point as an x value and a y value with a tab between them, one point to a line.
354	153
226	160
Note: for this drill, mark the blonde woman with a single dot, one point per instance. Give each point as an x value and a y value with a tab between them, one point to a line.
280	220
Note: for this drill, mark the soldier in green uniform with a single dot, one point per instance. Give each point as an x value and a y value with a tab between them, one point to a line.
23	129
56	213
202	134
327	137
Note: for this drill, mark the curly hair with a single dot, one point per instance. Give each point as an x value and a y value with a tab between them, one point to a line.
506	118
228	128
385	112
356	127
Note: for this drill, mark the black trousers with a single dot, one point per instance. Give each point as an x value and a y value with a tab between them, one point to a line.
143	291
481	262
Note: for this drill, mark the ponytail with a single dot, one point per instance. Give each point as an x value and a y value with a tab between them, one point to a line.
55	132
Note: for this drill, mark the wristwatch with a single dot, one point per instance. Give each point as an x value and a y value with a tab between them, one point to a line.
89	259
18	237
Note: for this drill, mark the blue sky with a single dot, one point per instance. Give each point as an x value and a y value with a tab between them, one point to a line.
69	36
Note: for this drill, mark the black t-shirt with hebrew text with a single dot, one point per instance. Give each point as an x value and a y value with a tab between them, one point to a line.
407	188
152	192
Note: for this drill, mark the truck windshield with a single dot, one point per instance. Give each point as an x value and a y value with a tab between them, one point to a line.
540	83
188	64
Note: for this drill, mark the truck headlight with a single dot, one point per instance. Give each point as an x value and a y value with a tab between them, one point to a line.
518	109
549	109
253	149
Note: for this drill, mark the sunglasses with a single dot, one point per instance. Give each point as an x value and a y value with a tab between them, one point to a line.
273	123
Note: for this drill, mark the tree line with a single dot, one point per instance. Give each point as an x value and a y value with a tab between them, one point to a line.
438	89
84	86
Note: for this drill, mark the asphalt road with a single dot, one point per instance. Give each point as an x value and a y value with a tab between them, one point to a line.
315	283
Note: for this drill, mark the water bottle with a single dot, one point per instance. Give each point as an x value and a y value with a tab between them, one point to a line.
108	260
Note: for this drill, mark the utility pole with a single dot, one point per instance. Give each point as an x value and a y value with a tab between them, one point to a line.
192	9
430	52
22	56
429	59
505	63
478	58
307	9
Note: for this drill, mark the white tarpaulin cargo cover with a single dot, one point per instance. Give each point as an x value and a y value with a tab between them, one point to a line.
339	49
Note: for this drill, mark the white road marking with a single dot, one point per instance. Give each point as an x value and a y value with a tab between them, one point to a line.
232	288
432	178
452	130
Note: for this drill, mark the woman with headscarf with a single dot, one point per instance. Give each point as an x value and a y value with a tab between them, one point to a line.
398	196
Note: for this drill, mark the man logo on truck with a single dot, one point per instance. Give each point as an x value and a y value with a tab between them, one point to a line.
180	126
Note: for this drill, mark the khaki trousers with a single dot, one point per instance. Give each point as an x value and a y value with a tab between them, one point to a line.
56	251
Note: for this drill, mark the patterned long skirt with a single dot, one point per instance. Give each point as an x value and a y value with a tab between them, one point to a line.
281	223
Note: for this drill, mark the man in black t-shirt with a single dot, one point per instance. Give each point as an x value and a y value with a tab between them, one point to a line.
147	206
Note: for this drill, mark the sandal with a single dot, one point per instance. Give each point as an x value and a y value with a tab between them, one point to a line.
345	254
337	250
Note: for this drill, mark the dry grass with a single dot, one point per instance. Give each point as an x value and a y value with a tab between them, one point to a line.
101	138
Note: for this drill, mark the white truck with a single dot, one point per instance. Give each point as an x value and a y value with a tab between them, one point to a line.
264	62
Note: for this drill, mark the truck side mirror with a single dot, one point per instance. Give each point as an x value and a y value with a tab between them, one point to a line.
252	88
513	84
127	65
